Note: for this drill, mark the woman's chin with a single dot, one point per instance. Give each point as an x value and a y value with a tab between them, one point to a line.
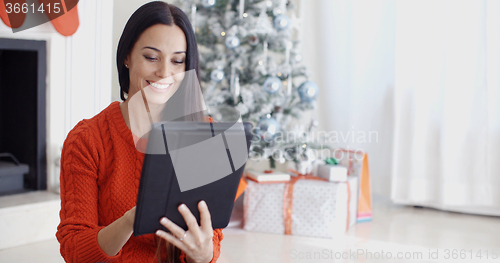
155	97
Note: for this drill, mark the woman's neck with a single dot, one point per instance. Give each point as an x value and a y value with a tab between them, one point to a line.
154	113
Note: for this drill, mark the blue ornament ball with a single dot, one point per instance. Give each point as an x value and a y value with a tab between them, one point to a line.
272	85
217	75
267	128
308	91
232	42
208	3
281	22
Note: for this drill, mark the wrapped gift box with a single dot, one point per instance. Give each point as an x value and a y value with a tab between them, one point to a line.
333	173
350	163
356	163
315	208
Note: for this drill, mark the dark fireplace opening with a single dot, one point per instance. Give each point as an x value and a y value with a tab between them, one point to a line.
22	110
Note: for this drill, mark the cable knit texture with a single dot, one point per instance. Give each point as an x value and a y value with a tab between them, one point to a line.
100	173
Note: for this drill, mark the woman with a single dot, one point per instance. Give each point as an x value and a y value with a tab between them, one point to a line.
101	167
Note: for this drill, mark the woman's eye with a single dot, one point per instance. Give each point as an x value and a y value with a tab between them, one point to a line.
179	61
149	58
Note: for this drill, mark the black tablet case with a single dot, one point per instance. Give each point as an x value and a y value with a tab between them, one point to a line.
154	201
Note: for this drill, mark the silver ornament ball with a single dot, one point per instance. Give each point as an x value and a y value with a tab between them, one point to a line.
267	128
272	85
297	58
281	22
208	3
232	42
308	91
217	75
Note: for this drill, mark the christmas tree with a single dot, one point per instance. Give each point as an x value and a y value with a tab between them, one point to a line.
250	62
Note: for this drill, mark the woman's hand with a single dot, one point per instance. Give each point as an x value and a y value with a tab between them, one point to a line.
196	242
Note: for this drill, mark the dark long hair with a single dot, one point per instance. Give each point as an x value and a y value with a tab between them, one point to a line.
186	97
150	14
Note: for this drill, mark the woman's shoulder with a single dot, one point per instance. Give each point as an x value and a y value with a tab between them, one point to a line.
93	126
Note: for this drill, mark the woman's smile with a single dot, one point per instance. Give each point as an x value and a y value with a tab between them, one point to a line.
159	88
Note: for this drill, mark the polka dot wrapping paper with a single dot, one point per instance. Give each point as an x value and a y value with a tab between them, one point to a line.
319	208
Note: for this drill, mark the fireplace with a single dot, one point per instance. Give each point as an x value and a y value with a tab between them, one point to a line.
23	107
77	85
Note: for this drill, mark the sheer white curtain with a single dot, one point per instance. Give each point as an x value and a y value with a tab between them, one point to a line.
447	94
425	75
349	47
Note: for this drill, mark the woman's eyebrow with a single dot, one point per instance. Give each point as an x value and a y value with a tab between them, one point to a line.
155	49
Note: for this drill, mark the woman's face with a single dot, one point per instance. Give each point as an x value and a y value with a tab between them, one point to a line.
157	63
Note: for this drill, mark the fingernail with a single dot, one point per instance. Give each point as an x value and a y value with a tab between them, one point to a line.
182	207
203	203
163	220
157	232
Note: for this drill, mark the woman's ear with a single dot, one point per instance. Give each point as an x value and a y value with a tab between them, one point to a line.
126	61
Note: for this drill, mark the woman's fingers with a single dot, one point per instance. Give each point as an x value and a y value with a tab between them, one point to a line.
196	243
190	220
172	239
205	218
176	230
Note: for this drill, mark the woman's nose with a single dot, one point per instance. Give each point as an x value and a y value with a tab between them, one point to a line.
164	71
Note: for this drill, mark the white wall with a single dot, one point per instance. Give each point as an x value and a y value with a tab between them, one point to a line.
122	10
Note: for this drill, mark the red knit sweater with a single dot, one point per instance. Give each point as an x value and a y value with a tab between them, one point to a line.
100	172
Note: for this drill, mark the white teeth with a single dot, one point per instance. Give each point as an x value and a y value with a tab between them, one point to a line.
158	86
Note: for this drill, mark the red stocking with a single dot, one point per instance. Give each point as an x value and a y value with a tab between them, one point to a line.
68	23
12	20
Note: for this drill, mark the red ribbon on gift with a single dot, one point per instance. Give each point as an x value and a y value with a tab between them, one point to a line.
288	198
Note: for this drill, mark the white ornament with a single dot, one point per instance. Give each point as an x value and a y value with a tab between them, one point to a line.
217	75
272	85
281	22
308	91
232	42
207	3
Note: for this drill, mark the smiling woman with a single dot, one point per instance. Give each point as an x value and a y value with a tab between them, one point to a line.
157	60
154	51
